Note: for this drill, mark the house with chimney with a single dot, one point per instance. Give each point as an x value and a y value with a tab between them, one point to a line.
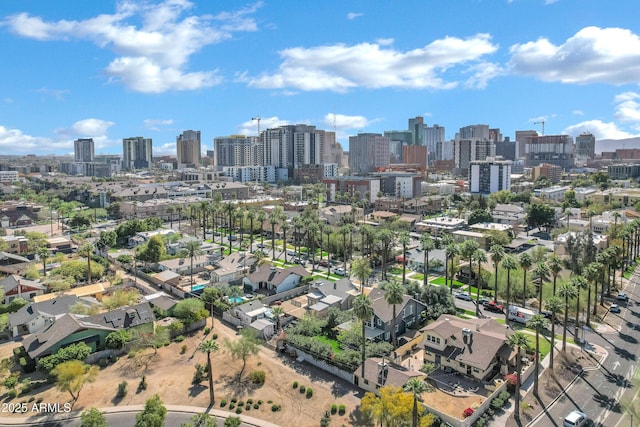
272	280
476	348
408	314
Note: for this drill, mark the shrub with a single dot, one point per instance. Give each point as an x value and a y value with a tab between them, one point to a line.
131	354
257	377
223	403
309	393
239	410
234	399
249	401
207	330
232	405
256	406
275	408
302	389
504	395
295	384
467	412
183	349
179	338
334	409
11	381
214	337
123	387
260	402
13	393
200	374
269	402
342	410
143	383
240	403
247	407
497	402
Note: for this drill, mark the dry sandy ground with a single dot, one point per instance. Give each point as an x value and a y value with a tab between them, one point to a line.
169	373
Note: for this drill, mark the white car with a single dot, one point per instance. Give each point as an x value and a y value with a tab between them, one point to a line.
622	296
575	419
614	308
463	296
339	271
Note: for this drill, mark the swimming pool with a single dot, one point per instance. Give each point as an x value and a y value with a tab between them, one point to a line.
236	300
197	288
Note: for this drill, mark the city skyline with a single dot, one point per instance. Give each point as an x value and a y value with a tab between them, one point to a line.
114	70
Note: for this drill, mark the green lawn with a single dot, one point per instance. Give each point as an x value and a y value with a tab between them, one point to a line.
484	292
545	344
333	343
418	276
440	281
395	270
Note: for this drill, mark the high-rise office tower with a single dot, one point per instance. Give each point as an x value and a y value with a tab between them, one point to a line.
586	145
468	150
83	150
434	140
367	151
291	146
137	153
416	127
188	149
474	132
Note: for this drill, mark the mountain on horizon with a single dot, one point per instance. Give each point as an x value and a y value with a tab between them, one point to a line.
609	145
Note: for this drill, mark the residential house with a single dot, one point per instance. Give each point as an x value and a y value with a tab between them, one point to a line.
15	286
128	317
342	291
182	266
13	264
37	315
415	259
95	290
509	214
563	241
61	244
408	314
233	267
161	303
248	312
477	347
379	372
16	244
334	213
272	280
142	237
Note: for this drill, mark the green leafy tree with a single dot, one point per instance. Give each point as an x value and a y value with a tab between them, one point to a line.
232	422
71	376
361	268
248	345
540	215
438	301
117	339
154	251
190	310
204	420
208	347
93	417
480	215
153	414
78	351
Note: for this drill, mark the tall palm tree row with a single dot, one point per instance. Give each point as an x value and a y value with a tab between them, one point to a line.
525	262
479	256
497	254
517	341
451	250
538	323
404	240
208	347
509	264
580	283
555	305
394	295
191	249
363	310
567	291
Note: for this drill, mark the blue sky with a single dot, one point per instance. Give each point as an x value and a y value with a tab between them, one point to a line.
115	69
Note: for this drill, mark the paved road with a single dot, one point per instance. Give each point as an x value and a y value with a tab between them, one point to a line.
598	392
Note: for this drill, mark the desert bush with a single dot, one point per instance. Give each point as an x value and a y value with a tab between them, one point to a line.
275	408
256	406
207	330
295	384
183	349
342	410
123	387
239	410
334	409
223	403
179	338
214	337
232	405
302	389
257	377
309	393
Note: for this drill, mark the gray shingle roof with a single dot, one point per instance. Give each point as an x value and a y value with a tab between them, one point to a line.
53	307
125	317
276	276
11	282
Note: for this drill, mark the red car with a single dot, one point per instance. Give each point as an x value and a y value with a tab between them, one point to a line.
492	306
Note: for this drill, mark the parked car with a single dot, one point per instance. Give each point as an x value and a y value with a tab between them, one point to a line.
339	271
614	308
622	296
324	263
233	238
492	306
483	301
291	253
575	419
261	246
463	296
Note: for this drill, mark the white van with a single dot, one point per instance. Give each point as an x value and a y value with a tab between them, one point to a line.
575	419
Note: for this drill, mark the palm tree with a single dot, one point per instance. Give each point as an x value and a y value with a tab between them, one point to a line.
517	340
394	295
209	346
555	267
43	254
427	244
284	227
416	387
170	210
191	249
451	250
538	323
467	249
509	264
344	231
478	256
580	283
385	238
261	217
541	274
592	273
361	269
274	218
404	240
555	306
497	253
363	310
525	262
86	250
277	312
566	291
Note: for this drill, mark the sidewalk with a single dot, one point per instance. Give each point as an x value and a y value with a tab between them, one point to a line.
73	416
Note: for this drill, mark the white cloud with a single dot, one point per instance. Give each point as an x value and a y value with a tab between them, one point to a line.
344	122
482	73
156	124
157	38
168	149
385	42
57	94
592	55
577	113
340	67
353	15
87	128
250	127
600	129
13	141
627	108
